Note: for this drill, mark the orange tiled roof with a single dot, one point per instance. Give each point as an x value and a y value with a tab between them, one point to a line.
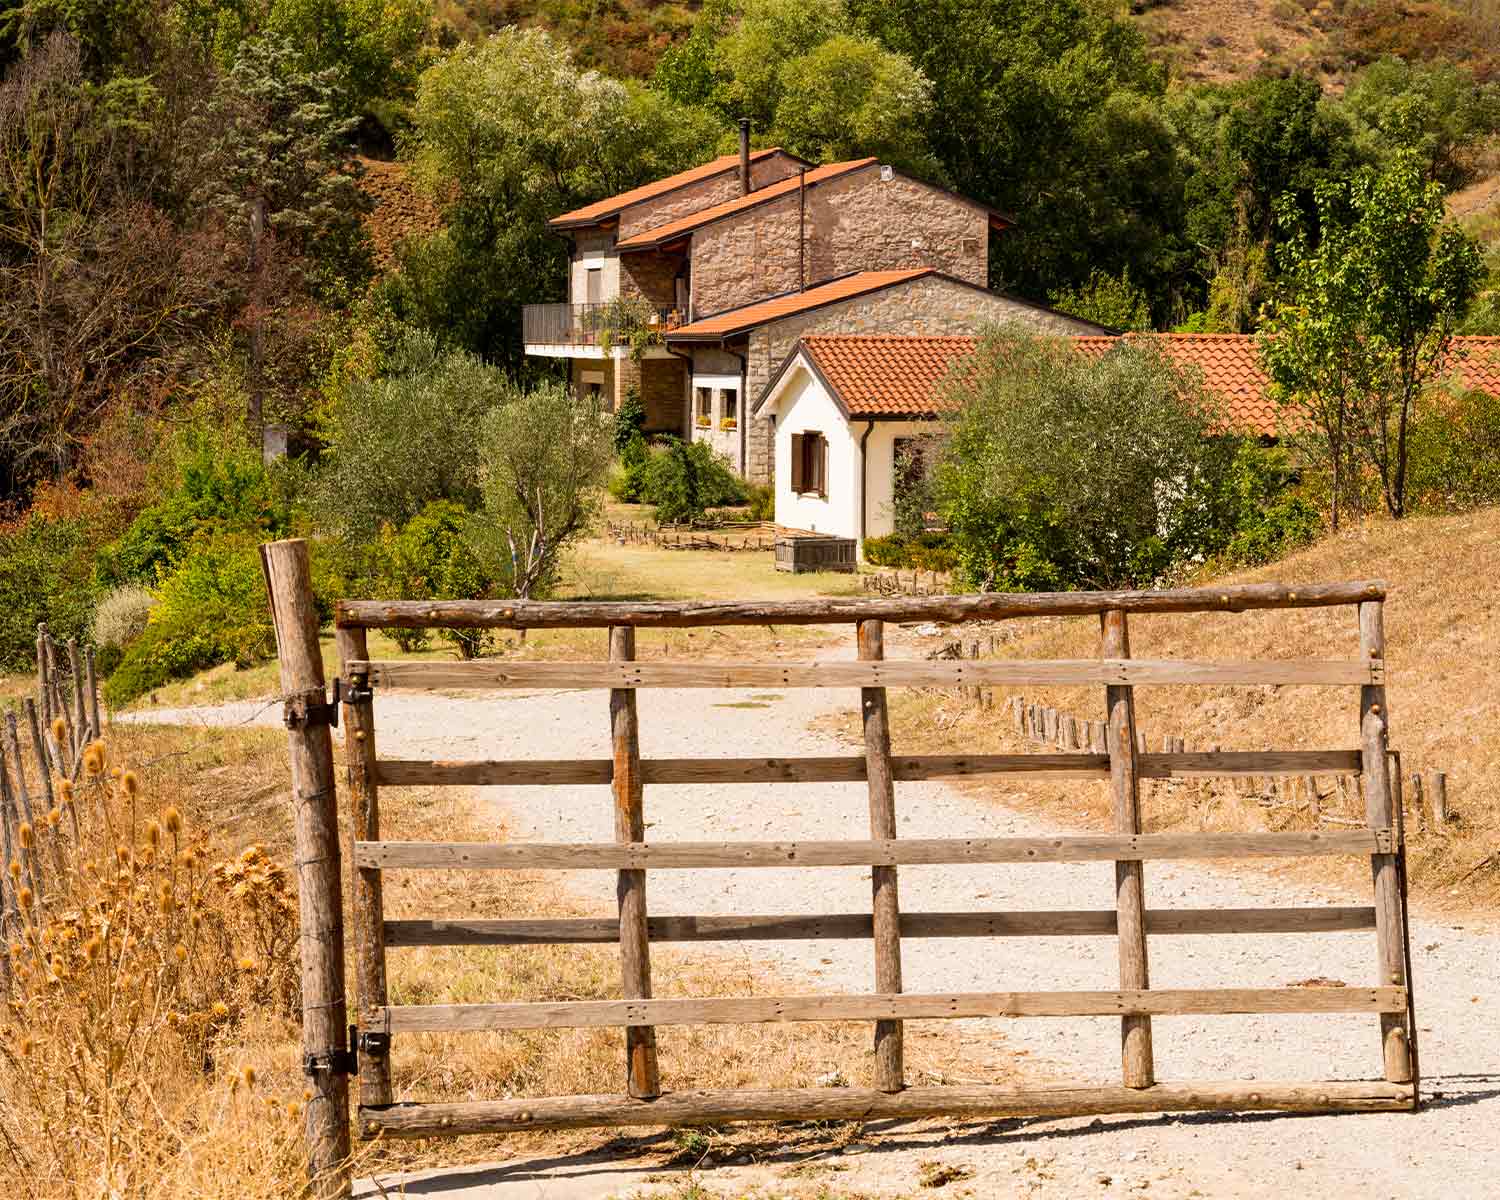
608	207
675	229
887	376
738	319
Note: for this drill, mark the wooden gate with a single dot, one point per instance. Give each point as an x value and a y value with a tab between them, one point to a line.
889	1002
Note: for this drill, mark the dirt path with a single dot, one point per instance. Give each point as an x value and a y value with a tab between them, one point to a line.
1449	1150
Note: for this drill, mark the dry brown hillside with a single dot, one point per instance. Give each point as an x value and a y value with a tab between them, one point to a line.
1443	632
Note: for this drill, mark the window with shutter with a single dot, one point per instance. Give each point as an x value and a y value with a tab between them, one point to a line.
822	488
797	461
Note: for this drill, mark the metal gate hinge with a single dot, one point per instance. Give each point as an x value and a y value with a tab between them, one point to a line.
357	689
373	1043
306	709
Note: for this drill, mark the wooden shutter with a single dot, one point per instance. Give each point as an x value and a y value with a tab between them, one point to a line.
797	457
822	449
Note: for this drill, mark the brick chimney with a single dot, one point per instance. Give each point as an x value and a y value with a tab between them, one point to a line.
744	156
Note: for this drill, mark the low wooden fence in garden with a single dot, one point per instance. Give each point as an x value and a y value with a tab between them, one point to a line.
890	1001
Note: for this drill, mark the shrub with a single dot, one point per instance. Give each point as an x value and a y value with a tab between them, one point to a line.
1455	453
218	485
45	575
1066	472
211	609
762	500
630	419
430	559
686	480
121	616
925	552
627	481
1260	518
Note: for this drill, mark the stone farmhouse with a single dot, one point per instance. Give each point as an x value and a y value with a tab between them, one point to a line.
843	406
694	289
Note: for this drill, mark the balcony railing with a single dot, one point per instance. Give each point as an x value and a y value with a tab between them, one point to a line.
610	323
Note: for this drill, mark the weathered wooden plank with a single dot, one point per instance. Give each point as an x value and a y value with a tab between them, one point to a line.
367	911
1380	810
992	606
895	852
734	1010
886	923
1137	1067
945	673
315	819
866	1104
462	931
642	1076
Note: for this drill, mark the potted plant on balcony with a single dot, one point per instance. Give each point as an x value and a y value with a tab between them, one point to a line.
632	321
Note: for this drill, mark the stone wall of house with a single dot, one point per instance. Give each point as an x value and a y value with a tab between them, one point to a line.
659	210
663	384
650	274
858	222
931	306
603	367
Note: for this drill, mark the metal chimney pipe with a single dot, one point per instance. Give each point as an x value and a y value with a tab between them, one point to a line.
744	156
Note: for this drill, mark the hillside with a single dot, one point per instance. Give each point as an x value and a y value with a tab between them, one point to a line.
623	38
1223	40
1442	627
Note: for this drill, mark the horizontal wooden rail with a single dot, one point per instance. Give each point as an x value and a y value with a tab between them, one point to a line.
993	606
866	1104
734	1010
463	931
520	856
494	673
848	769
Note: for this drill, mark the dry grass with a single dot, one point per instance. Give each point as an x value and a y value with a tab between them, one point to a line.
1442	624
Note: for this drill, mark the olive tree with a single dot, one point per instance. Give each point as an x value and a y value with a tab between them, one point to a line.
1061	470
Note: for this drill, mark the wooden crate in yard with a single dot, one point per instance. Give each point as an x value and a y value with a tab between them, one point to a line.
799	554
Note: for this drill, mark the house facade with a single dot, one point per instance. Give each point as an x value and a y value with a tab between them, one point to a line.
692	290
843	408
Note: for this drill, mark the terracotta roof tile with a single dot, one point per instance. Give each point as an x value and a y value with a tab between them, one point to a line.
738	319
888	376
675	229
608	207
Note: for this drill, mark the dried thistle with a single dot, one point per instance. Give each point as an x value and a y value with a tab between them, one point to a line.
131	784
28	835
173	820
54	816
93	758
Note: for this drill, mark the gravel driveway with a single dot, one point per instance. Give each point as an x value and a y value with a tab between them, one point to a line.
1449	1150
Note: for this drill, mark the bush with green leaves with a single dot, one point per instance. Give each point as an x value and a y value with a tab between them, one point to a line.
630	419
1267	517
210	609
924	552
627	481
121	617
45	575
430	558
686	479
219	484
1061	471
407	437
1455	453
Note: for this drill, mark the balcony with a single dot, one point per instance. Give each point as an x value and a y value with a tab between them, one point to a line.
627	321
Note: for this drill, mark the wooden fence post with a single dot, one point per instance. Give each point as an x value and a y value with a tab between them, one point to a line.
889	1035
1438	793
23	797
315	812
368	909
1379	814
642	1077
1130	899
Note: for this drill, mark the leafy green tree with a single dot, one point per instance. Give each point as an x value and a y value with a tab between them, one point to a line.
508	133
1106	300
545	458
807	77
1048	110
407	437
430	558
685	479
1368	319
1062	472
374	46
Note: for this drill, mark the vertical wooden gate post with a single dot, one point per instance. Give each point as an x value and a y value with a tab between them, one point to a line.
889	1036
642	1078
1380	814
315	811
1130	884
368	911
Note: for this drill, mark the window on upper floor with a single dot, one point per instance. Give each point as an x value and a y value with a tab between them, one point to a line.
593	285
